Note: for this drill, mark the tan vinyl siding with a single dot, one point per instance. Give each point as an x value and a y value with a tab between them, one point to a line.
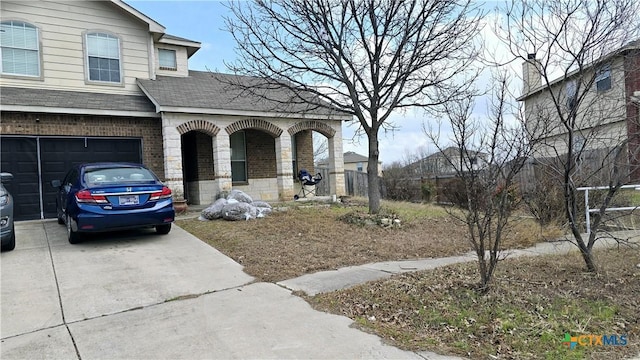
599	115
182	63
62	25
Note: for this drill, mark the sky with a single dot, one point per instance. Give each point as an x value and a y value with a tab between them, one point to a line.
203	21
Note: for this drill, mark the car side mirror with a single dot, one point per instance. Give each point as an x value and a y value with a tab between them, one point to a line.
56	183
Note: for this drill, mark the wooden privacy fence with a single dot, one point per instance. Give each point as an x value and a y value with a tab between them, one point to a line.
537	176
355	183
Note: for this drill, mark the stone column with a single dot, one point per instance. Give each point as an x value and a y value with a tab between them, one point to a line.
221	163
172	148
284	167
336	162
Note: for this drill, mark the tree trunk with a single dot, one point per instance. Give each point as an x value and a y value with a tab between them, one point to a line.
372	176
587	255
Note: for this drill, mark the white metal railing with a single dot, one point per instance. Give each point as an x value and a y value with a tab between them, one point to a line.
588	211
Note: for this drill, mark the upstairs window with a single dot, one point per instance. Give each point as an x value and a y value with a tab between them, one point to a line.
570	89
103	57
167	59
20	48
359	166
603	78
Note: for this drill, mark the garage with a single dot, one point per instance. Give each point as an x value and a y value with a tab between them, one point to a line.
36	160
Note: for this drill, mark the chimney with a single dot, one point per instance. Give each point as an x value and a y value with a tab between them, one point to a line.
531	74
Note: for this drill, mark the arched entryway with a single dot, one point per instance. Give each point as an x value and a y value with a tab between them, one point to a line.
198	169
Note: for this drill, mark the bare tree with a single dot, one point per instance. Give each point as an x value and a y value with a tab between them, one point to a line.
320	148
575	98
367	58
491	152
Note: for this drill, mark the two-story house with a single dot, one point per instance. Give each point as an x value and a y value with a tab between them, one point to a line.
85	81
447	162
354	162
607	116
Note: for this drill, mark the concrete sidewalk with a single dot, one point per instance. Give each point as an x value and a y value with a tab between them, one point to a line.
325	281
139	295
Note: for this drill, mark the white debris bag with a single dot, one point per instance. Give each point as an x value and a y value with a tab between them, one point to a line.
237	206
214	211
238	211
262	208
241	196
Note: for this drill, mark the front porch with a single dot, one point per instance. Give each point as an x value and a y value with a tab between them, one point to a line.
208	157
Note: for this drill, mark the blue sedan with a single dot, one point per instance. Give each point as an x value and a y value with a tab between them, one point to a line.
101	197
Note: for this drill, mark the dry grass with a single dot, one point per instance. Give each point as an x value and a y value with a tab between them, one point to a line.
535	301
287	244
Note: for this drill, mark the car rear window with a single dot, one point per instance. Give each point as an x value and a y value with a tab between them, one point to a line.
117	175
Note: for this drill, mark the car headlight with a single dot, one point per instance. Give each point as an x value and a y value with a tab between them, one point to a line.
4	200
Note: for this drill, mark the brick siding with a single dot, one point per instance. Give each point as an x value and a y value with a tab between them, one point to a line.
304	147
261	155
148	129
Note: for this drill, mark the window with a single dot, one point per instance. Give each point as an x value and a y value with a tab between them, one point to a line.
103	57
359	166
20	48
167	59
570	89
578	144
238	157
603	78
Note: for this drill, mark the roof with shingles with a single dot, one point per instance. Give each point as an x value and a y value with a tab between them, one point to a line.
352	157
208	90
74	99
173	37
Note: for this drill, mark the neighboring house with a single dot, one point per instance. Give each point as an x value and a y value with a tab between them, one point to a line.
608	114
355	162
90	81
447	162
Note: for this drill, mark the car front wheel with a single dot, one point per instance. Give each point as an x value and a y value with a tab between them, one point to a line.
12	242
163	229
73	236
60	216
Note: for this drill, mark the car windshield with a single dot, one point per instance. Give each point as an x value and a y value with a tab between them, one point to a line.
117	175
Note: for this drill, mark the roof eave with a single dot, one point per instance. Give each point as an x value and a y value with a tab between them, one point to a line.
249	113
619	52
77	111
154	26
191	46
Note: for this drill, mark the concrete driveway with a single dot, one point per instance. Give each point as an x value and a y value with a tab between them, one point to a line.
140	295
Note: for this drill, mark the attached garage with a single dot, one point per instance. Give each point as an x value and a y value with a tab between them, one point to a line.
45	132
36	160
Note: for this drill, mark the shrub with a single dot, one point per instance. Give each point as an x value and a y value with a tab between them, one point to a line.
427	188
545	199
